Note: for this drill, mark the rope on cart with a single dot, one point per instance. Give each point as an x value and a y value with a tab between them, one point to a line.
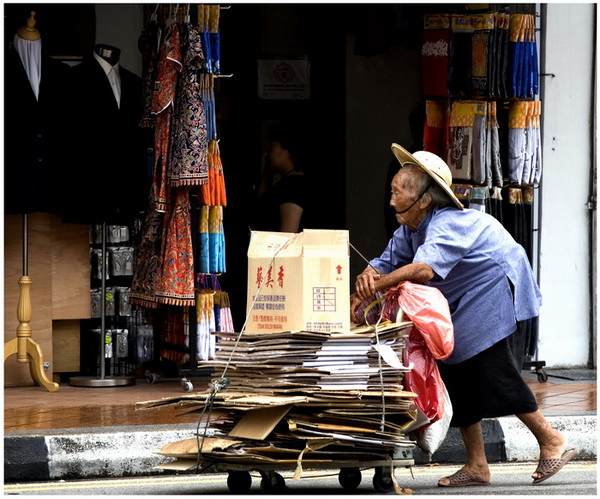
222	383
376	326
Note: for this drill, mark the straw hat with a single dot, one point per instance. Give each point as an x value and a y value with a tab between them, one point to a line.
431	164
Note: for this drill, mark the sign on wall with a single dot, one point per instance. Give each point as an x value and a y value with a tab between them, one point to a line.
283	79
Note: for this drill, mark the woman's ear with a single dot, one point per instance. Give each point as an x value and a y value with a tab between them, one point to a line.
426	200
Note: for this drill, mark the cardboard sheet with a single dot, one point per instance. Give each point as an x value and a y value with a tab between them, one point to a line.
258	423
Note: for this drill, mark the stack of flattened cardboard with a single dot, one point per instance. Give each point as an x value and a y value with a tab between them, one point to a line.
301	396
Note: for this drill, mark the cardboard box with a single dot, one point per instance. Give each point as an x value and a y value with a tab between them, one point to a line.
298	281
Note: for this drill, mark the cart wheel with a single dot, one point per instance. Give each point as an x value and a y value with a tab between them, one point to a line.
187	385
542	376
382	481
350	478
272	482
151	377
239	482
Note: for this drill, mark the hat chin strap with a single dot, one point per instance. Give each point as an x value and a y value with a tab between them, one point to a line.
415	201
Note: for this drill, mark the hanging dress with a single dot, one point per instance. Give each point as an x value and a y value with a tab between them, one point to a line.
169	65
148	263
176	282
189	141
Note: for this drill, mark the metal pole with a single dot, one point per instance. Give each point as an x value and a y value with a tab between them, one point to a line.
25	245
103	305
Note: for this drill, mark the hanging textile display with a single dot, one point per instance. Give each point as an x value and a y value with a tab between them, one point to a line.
479	155
176	282
209	283
502	53
208	21
148	260
462	118
482	42
169	65
215	37
435	137
460	59
536	162
216	240
524	81
524	143
493	147
175	334
434	55
211	240
188	163
205	317
213	192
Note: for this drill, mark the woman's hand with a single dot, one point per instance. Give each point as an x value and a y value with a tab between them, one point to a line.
365	285
355	301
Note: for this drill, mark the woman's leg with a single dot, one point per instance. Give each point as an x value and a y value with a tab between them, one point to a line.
552	443
477	465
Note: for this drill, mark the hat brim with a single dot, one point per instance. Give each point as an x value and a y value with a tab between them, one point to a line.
404	157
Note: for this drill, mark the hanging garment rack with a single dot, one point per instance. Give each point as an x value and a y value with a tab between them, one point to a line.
103	380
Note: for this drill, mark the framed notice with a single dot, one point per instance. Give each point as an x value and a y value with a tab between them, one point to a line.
284	79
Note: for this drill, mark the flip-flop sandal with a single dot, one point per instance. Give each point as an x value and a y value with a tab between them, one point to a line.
463	478
550	467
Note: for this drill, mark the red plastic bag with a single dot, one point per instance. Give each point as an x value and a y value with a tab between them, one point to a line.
424	378
428	310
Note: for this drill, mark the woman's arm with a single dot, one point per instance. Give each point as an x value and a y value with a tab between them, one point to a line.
290	215
369	282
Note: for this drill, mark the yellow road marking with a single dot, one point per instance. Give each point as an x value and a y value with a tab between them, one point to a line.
418	471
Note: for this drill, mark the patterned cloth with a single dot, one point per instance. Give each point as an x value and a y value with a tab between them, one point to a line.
169	65
189	141
148	263
176	283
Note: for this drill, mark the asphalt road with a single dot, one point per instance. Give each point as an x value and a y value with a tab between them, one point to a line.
577	478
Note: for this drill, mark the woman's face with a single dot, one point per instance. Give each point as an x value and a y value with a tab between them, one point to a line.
277	156
405	199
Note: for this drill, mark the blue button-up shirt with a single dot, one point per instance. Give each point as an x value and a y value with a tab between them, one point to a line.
474	259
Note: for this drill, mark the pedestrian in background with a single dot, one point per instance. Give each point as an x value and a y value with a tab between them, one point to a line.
281	196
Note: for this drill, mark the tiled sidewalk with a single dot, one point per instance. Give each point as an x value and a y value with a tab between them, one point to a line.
34	408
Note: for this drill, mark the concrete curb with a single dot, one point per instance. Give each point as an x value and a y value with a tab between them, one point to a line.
131	451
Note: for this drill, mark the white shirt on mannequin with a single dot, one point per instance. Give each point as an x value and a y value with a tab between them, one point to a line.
114	78
30	52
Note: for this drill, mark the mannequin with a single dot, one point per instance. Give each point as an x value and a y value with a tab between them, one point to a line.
28	44
36	107
30	154
109	53
29	32
108	170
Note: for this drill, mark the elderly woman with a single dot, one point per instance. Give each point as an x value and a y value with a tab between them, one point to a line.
486	278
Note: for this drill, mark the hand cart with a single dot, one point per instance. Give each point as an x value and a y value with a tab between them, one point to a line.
239	479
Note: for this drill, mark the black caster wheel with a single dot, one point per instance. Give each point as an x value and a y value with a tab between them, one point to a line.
187	385
239	482
151	377
272	483
350	478
382	481
542	376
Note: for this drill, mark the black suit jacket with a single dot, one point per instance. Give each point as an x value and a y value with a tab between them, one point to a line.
36	136
108	176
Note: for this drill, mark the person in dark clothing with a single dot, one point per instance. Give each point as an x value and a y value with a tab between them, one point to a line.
282	192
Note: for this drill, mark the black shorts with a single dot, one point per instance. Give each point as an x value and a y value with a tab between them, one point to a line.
487	385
